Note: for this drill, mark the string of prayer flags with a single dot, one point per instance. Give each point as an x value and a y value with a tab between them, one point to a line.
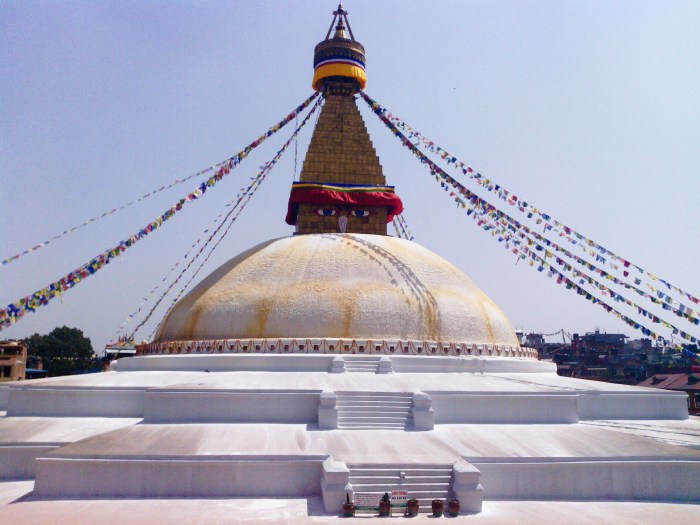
235	160
239	203
484	211
543	264
17	310
602	254
571	285
404	227
401	228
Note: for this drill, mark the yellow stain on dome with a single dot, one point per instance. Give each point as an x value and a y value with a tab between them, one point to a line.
353	286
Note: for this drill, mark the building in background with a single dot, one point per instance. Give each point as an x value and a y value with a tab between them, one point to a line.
13	360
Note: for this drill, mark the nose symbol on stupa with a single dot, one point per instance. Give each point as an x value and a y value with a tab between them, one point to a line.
342	223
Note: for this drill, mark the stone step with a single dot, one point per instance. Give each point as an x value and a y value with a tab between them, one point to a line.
373	406
362	479
369	422
428	469
401	466
428	490
424	497
373	402
340	393
368	418
374	409
374	398
370	425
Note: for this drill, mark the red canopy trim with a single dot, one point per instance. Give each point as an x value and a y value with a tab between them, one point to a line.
342	195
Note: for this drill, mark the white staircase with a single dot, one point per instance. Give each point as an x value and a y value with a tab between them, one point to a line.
422	482
367	365
375	410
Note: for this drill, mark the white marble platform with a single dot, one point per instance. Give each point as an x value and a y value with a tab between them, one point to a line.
19	507
249	426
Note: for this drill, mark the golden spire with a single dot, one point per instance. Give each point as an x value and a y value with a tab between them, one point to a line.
341	187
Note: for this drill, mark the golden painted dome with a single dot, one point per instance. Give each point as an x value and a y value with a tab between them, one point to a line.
325	286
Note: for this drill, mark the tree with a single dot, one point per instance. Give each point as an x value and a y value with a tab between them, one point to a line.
64	351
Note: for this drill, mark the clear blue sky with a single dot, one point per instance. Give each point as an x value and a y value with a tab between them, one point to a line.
589	110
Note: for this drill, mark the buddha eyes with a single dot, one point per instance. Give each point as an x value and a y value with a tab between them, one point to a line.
327	212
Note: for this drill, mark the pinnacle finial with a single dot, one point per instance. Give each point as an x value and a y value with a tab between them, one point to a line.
341	55
341	15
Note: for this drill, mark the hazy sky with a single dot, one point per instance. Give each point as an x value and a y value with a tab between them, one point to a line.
589	110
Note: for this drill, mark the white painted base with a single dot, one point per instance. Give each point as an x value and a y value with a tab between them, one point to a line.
167	477
4	396
280	406
633	405
70	402
660	480
18	462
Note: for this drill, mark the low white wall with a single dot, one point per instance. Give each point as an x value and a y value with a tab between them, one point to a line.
4	396
642	405
230	406
71	402
323	362
17	461
503	365
227	362
661	480
196	477
504	409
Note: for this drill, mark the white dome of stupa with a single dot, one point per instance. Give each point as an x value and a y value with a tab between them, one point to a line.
350	286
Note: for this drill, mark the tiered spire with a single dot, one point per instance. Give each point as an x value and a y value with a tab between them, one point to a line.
342	187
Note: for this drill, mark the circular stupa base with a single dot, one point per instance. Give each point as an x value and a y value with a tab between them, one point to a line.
334	346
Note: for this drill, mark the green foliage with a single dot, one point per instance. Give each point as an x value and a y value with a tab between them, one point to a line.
64	351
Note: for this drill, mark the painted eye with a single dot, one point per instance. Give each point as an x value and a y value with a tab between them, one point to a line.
326	212
360	213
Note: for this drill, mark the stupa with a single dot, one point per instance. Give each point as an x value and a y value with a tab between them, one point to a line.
340	362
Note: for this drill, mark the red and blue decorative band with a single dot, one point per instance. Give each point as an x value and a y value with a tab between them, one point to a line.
340	60
342	195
